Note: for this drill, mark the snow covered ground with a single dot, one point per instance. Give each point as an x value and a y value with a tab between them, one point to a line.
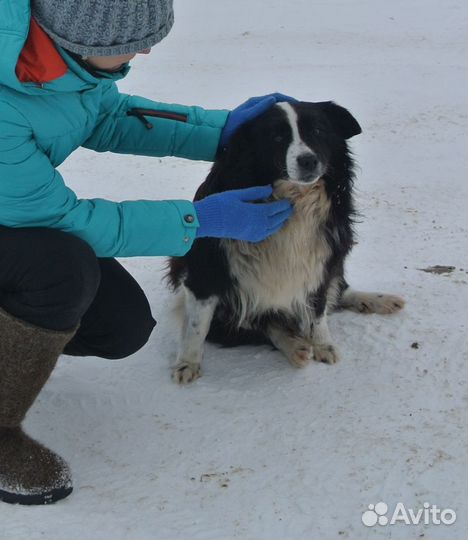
256	449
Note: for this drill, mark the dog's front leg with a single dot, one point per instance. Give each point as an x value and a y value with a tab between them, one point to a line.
296	348
324	348
198	314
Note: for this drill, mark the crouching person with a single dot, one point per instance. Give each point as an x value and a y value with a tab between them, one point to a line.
61	288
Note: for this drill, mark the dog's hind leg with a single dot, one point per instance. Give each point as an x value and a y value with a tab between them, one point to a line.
370	302
196	323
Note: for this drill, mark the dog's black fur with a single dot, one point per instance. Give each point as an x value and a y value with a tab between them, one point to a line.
256	156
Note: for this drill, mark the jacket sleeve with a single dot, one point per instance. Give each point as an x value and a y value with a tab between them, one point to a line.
194	135
33	194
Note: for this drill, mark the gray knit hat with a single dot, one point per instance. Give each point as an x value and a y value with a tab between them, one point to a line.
104	27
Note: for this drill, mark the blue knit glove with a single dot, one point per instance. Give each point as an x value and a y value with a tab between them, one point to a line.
251	108
231	214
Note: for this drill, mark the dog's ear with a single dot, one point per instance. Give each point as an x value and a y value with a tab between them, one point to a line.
342	120
239	146
233	167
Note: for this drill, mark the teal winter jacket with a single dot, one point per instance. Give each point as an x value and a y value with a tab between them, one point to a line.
41	125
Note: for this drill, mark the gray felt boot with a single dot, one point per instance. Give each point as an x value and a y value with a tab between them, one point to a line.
29	472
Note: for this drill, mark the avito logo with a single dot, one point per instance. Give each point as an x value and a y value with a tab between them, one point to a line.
376	514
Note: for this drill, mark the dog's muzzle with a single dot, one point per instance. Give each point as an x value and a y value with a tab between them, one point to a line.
309	167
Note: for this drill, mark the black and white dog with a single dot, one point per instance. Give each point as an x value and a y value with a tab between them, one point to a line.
280	290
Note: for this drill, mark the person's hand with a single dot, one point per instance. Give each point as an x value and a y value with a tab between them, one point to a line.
248	110
231	214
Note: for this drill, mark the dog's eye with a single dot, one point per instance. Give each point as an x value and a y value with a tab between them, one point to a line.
278	138
312	129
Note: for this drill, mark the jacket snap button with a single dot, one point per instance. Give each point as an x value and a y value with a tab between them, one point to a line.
189	218
186	239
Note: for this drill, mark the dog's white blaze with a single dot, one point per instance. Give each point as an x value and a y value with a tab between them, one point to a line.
297	146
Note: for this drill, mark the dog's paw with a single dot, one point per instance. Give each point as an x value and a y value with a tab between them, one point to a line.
301	356
383	304
326	353
186	372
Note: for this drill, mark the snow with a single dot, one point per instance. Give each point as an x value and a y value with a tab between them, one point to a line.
255	448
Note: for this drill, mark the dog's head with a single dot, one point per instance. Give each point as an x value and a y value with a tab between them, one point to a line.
298	142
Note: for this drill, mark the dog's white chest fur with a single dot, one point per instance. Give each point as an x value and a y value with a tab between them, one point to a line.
279	272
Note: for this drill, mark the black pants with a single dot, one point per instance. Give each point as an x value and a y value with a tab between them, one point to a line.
54	280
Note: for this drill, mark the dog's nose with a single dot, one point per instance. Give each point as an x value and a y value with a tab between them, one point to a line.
307	161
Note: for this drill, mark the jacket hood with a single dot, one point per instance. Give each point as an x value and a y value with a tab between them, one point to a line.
15	19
